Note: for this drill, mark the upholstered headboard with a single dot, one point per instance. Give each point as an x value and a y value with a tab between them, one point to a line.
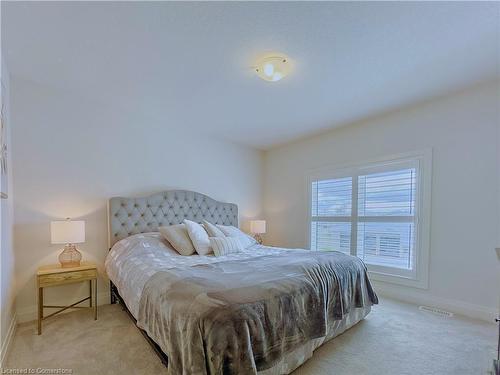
128	216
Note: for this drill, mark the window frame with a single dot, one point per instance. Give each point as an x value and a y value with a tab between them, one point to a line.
418	277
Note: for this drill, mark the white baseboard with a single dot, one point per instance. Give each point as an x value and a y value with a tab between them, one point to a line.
421	298
4	350
29	313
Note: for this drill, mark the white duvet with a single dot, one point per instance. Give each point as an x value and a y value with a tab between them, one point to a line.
133	260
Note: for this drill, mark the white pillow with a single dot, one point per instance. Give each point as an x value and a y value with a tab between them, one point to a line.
212	229
178	237
225	245
199	237
244	238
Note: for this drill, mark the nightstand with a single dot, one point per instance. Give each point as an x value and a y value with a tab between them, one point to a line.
53	275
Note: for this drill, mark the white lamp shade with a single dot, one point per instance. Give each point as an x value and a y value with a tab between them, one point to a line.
67	231
258	226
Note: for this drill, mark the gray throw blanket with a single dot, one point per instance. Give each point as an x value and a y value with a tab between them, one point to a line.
242	316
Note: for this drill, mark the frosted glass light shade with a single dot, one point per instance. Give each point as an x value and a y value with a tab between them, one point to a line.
67	232
258	226
273	68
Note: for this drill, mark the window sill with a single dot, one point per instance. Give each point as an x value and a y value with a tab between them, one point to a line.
421	283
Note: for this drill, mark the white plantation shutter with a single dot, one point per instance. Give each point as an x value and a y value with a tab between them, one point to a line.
386	217
369	213
332	197
329	236
387	193
331	201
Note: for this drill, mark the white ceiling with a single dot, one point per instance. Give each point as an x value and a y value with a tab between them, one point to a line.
189	63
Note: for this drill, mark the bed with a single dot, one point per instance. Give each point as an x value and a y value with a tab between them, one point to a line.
263	310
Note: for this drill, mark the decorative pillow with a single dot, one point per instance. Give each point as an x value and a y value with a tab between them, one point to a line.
225	245
244	238
178	237
199	237
212	229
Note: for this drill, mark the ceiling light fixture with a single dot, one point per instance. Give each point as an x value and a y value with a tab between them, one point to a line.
273	68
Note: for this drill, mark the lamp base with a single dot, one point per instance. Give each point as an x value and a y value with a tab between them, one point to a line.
70	257
258	238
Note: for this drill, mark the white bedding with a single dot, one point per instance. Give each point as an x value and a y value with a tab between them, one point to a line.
133	260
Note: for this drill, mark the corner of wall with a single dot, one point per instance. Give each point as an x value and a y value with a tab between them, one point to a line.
8	318
7	342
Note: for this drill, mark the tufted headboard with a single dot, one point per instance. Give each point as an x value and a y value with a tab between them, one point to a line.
128	216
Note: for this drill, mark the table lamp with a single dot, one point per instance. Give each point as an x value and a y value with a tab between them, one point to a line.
258	227
69	233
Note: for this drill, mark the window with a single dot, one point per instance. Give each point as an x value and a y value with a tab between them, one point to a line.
374	211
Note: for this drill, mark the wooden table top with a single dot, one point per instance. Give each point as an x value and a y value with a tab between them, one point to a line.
56	268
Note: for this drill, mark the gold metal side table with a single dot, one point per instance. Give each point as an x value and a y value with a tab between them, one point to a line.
56	275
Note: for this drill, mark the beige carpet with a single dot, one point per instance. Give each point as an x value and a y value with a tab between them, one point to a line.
396	338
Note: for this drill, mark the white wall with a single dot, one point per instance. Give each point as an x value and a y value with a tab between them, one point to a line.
462	130
7	296
72	154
